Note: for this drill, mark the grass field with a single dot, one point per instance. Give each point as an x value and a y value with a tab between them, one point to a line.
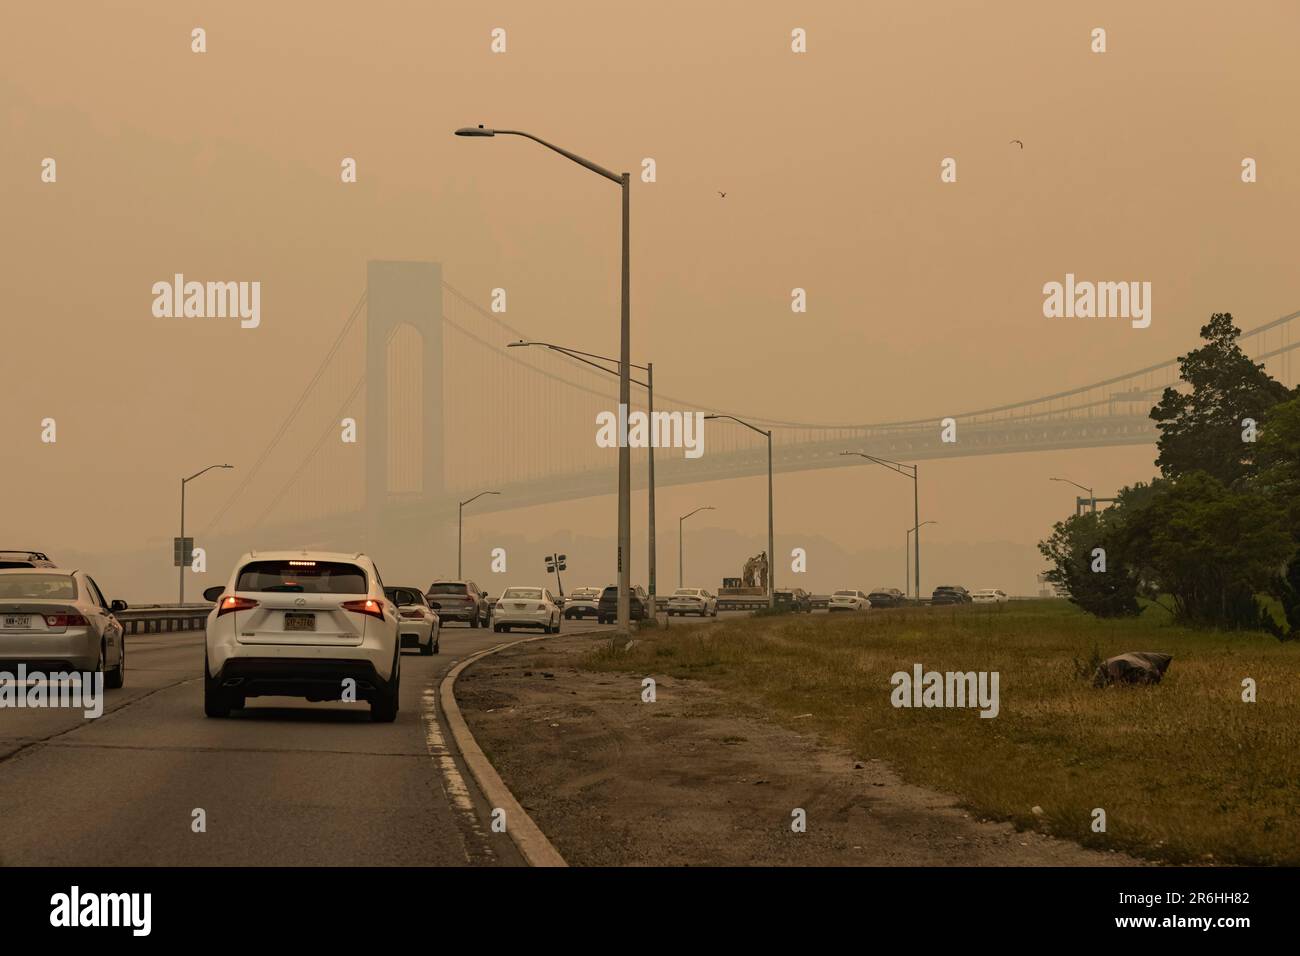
1185	771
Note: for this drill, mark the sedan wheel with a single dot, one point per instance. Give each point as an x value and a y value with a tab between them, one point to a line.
117	676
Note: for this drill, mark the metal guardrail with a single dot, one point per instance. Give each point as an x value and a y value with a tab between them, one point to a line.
156	618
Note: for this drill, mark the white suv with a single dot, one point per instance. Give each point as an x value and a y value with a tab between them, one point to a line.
302	624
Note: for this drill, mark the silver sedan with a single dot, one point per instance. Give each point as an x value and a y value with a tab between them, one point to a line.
57	620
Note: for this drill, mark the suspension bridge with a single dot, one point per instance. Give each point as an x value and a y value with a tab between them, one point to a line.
443	409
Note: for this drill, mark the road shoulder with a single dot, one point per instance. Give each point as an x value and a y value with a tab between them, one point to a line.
697	779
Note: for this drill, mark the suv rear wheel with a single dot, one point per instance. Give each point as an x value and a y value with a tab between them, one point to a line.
383	708
217	702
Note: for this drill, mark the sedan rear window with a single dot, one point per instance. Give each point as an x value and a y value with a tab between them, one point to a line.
302	577
530	594
53	587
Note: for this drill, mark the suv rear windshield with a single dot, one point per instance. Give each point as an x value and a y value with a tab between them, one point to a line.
448	589
302	577
54	587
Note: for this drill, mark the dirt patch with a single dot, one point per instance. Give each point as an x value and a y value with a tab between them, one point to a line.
695	779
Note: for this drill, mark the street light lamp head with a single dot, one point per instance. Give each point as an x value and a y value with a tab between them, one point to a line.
479	130
515	345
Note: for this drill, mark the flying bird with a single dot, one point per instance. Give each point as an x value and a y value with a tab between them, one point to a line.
1022	145
722	194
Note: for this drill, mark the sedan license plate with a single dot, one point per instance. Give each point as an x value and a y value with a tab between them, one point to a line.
18	621
520	607
297	621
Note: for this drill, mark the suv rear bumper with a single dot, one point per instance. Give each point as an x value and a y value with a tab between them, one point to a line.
458	613
315	679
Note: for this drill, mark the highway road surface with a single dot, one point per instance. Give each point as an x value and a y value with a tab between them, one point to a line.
282	783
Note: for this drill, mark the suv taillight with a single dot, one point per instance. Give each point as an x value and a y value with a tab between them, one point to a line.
368	606
230	602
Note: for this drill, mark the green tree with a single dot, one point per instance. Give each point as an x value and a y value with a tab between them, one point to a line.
1278	454
1209	547
1201	426
1071	551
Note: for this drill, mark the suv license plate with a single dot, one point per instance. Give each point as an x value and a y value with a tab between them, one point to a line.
295	621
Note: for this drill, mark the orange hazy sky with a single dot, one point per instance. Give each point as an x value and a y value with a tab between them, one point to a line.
925	299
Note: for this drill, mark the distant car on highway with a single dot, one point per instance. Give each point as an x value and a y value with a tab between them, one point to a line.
608	607
887	597
57	620
310	624
526	607
950	594
418	623
988	596
582	602
793	599
461	601
685	601
25	559
848	600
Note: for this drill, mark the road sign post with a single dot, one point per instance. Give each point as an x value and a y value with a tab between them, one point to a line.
555	563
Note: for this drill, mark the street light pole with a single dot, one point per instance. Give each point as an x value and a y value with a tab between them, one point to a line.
624	366
649	385
771	552
681	551
1091	497
180	599
907	544
650	533
909	471
624	452
460	527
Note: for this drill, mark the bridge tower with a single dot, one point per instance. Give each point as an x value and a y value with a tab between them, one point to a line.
403	326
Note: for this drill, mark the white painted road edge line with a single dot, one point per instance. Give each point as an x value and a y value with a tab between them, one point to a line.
453	783
537	850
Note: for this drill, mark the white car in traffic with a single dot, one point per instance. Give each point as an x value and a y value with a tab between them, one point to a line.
988	596
582	602
692	601
526	607
57	621
418	623
310	624
848	601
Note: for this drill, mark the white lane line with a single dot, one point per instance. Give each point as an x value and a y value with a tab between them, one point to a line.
453	784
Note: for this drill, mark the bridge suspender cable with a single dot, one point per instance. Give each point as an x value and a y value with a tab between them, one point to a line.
289	419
